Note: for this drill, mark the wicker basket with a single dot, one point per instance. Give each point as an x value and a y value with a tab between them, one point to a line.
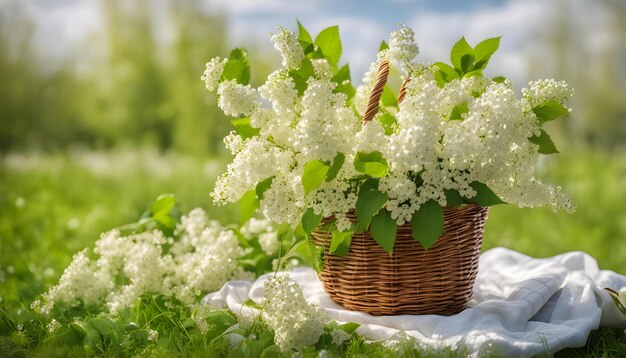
412	280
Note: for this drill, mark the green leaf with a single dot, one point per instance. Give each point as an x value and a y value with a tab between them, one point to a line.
346	88
244	129
301	75
308	252
330	44
163	204
427	223
314	174
299	233
485	196
237	70
248	205
238	54
453	198
459	51
445	74
467	62
262	187
250	303
388	98
340	242
372	164
161	213
251	200
310	221
383	46
383	230
340	158
303	34
458	111
106	327
477	73
441	82
368	203
164	222
499	79
484	50
315	256
343	75
550	110
349	327
545	143
619	298
221	320
388	121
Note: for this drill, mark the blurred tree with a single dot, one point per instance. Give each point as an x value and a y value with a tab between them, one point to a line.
200	125
592	63
141	88
131	104
36	105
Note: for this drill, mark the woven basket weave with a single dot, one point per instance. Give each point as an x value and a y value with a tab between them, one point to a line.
412	280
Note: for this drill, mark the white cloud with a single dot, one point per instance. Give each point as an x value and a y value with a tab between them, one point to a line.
517	22
245	7
524	26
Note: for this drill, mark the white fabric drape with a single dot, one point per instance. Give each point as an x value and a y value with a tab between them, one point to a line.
522	306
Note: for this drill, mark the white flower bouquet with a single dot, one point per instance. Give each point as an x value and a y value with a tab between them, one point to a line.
389	193
303	152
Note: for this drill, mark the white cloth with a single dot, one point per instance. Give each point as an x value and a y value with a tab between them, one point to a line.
522	306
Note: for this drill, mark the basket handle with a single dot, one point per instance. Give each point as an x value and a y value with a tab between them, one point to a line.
377	91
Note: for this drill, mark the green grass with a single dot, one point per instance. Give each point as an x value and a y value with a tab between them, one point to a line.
54	205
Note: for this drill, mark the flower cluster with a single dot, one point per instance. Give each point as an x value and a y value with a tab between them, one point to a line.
287	43
402	46
539	92
213	72
453	131
296	323
268	236
202	259
236	99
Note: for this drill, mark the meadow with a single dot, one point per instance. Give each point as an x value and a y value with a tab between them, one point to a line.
53	205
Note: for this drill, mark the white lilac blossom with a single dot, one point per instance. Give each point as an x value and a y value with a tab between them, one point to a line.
269	242
487	142
280	89
236	99
539	92
213	72
53	326
322	68
296	323
287	43
255	227
402	46
267	235
233	142
285	189
258	160
339	336
126	267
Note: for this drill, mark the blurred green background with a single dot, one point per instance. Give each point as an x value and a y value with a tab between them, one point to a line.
90	137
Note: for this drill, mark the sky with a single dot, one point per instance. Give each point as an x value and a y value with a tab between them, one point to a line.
363	24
